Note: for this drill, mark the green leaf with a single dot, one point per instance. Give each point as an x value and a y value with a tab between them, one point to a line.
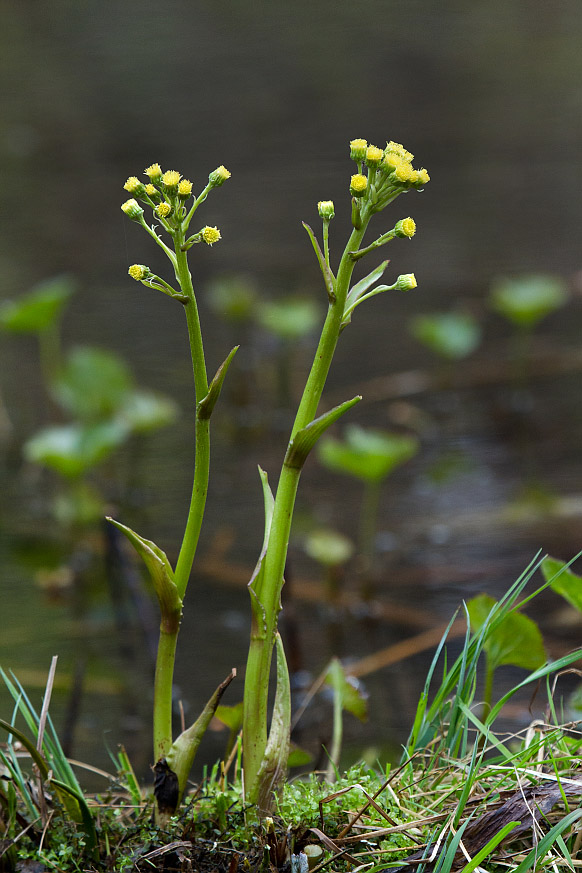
255	584
290	319
566	583
231	716
273	768
369	455
208	403
305	439
73	449
355	294
232	297
329	547
351	695
516	639
93	383
183	750
328	277
527	299
40	308
161	573
145	411
451	335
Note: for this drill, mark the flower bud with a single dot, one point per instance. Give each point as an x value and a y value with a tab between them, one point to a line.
406	282
358	185
210	235
135	187
373	156
154	172
170	181
139	272
132	209
219	176
406	227
326	209
184	189
153	193
163	209
419	178
358	150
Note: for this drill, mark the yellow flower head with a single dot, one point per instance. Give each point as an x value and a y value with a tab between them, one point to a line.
420	178
151	190
154	172
358	150
139	272
210	235
403	172
219	176
358	185
398	149
134	186
326	209
405	228
170	180
132	209
163	209
185	188
373	156
406	282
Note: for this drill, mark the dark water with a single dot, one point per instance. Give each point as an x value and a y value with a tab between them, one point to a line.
487	95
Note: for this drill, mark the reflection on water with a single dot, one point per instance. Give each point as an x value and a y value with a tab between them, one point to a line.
484	96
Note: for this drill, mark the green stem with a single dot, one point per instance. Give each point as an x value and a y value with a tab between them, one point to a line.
263	634
202	428
369	523
170	627
163	684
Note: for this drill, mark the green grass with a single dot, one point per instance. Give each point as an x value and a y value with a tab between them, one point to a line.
465	794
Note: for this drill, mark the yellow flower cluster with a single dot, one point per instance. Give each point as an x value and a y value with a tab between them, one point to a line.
390	172
166	193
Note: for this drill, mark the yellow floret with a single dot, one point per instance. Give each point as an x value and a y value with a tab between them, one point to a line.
163	209
373	156
358	150
150	189
210	235
139	272
219	176
358	185
171	179
154	172
133	184
185	188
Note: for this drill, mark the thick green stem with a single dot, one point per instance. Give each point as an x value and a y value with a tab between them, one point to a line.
169	634
163	684
263	633
202	431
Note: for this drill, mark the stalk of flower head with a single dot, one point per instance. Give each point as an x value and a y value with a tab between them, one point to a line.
382	176
173	205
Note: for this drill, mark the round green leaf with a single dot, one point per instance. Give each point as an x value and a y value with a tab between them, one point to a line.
515	640
329	547
93	384
451	335
39	309
367	454
73	449
289	319
567	584
527	299
145	411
